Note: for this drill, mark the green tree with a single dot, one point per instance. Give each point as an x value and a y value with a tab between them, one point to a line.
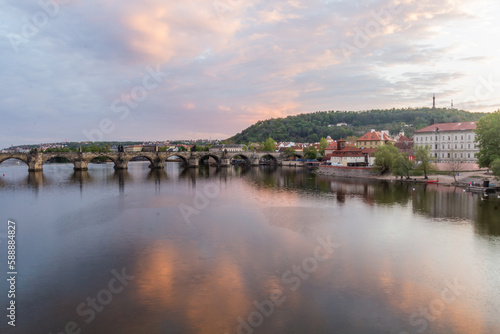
289	152
455	164
385	156
310	152
182	148
495	168
424	159
488	138
402	165
323	143
269	145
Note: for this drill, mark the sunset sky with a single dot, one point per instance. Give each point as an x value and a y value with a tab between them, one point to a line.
159	69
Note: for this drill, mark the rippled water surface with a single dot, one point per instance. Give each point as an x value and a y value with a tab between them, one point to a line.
245	250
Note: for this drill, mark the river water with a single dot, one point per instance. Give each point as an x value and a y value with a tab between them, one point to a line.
245	250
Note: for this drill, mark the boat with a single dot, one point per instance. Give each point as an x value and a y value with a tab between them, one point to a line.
432	181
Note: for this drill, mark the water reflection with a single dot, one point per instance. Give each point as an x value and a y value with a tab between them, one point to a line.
437	202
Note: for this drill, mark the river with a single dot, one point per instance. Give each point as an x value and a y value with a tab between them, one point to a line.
245	250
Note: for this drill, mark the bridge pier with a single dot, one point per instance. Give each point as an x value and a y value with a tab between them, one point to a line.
80	165
194	162
121	163
254	160
35	162
157	164
225	162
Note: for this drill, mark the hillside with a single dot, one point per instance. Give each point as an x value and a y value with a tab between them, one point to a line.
313	126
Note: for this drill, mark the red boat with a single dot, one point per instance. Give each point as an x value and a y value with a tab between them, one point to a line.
432	181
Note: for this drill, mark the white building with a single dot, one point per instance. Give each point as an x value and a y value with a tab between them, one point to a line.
228	148
449	141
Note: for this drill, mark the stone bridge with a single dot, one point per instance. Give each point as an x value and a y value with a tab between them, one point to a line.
80	160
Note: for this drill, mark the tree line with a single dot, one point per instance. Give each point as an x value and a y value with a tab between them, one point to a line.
312	127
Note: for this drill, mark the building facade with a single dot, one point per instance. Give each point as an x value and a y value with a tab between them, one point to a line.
374	139
228	148
449	141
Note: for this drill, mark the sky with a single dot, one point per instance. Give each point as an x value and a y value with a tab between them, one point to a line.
158	69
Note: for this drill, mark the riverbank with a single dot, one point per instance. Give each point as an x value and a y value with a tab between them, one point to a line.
462	180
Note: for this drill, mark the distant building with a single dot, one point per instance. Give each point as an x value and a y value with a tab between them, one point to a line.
151	148
449	141
331	148
404	144
349	156
133	148
228	147
374	139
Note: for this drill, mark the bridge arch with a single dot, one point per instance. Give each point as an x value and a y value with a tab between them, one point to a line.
89	159
207	156
183	159
19	158
139	156
268	159
245	157
58	156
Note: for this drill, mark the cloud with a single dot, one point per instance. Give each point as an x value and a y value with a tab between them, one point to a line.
230	63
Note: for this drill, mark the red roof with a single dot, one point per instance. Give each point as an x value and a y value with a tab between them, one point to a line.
348	151
347	154
449	127
374	135
369	151
403	139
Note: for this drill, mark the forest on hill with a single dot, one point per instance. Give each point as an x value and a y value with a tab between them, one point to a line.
311	127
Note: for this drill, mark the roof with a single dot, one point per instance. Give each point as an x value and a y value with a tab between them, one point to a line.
347	154
449	127
374	135
348	151
369	151
403	139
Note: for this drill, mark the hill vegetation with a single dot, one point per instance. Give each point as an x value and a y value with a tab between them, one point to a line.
313	126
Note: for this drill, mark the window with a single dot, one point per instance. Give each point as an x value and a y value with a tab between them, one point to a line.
448	146
455	146
448	137
435	155
443	146
468	145
436	138
462	137
443	137
469	137
448	155
462	146
455	137
461	155
436	146
468	155
455	155
442	155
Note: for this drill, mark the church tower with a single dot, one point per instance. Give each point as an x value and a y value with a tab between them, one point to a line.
434	101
